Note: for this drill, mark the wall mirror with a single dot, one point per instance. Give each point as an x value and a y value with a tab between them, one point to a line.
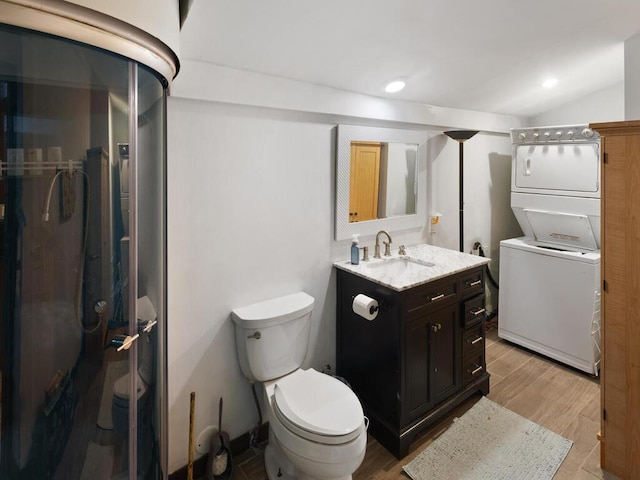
380	180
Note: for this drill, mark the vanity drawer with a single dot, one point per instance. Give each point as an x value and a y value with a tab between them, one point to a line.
431	296
473	311
473	340
472	368
472	283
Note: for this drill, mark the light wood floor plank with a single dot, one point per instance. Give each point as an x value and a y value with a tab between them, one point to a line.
581	432
591	465
516	380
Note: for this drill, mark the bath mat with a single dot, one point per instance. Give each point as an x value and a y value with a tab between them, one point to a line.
115	370
493	443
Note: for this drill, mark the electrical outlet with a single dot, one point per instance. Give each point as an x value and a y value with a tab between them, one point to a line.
204	439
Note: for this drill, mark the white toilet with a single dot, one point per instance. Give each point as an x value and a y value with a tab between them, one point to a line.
317	428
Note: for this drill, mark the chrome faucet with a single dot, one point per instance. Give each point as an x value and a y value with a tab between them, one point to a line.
387	245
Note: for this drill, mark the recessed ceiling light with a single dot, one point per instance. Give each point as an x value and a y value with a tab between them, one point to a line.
550	82
395	86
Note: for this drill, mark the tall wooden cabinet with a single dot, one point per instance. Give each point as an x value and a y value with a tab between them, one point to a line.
620	342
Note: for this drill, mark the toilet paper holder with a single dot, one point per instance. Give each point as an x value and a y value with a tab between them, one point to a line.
380	307
365	306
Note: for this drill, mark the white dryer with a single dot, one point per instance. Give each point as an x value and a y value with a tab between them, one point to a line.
550	279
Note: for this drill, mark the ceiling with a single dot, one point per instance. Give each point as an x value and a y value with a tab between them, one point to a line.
489	56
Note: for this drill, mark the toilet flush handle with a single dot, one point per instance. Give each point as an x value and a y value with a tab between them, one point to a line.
256	335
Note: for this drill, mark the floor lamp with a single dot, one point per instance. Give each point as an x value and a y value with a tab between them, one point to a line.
461	136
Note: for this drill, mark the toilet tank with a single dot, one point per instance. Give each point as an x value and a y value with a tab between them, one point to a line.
272	337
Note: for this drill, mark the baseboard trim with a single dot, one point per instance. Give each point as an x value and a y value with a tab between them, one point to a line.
237	446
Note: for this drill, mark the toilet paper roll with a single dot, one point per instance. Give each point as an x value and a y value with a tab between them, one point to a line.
364	306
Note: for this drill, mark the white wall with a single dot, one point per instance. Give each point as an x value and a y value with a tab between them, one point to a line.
204	81
606	105
487	203
250	216
632	78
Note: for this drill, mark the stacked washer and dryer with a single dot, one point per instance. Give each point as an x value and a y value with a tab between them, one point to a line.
550	278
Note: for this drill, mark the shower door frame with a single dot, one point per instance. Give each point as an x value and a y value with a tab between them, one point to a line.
161	384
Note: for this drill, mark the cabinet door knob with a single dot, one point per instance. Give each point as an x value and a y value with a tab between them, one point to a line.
434	328
477	312
476	283
436	297
478	369
479	339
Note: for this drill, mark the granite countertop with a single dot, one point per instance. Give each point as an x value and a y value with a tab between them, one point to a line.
431	263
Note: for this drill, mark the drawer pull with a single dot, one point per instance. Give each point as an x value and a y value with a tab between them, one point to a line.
477	312
479	369
437	297
475	284
479	339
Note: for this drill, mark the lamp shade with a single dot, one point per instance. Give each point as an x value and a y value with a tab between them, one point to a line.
461	135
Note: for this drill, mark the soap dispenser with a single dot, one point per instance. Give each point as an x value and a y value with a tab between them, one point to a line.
355	250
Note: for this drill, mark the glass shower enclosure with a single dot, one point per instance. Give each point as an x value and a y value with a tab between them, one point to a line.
82	262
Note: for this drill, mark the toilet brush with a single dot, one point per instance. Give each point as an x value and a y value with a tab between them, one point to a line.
219	464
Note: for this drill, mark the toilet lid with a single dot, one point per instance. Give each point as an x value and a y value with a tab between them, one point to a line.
318	407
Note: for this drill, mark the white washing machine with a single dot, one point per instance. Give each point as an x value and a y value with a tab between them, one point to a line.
550	302
550	278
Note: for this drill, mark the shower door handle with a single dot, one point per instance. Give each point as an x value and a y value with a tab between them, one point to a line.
127	342
146	327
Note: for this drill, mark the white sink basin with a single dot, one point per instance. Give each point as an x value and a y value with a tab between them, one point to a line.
400	266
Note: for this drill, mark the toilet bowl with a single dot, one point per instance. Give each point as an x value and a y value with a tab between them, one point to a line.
121	398
317	429
120	415
318	423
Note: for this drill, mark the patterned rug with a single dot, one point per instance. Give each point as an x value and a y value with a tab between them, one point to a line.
493	443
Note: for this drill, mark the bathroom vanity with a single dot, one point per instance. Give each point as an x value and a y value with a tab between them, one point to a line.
424	352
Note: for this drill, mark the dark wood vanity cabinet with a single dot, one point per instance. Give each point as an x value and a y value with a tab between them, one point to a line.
419	358
432	372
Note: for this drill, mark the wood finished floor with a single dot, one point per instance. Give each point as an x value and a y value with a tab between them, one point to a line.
548	393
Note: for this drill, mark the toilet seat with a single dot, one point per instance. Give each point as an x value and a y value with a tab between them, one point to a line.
122	388
317	407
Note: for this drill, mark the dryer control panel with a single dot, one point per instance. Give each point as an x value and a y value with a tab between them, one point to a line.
561	134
